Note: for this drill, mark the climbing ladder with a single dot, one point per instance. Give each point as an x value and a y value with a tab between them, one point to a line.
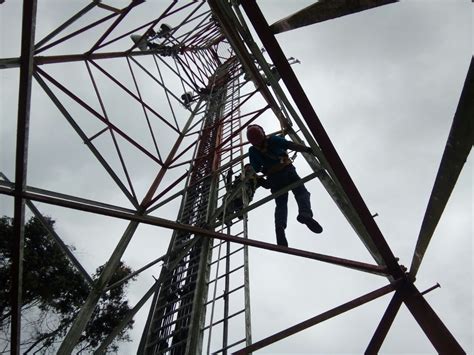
228	298
176	323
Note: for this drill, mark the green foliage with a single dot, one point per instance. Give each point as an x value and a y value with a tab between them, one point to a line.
53	290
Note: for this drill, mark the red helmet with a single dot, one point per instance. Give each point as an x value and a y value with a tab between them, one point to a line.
255	134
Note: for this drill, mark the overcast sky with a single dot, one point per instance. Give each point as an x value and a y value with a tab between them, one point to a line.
385	83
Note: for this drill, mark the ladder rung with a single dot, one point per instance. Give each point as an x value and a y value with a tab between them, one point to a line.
226	256
229	346
222	296
223	319
224	275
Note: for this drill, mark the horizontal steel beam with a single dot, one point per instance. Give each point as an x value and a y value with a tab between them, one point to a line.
7	63
7	188
59	242
161	222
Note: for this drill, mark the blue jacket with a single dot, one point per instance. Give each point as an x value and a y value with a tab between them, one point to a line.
274	153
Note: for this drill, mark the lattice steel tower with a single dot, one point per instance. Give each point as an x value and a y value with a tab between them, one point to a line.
161	100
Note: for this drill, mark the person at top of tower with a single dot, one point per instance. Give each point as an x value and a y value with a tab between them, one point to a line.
269	155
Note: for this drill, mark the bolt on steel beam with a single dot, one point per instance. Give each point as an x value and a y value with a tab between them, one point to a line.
438	334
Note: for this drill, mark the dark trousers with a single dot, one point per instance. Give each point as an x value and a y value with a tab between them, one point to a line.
280	180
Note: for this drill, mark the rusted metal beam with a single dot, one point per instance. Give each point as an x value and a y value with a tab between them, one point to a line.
385	324
314	124
101	117
320	318
247	62
458	147
117	21
24	102
7	63
161	222
441	338
75	33
324	10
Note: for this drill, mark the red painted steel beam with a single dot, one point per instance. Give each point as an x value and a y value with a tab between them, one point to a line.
99	116
75	33
244	126
149	31
385	324
134	96
122	15
246	60
165	223
6	63
24	102
314	124
320	318
111	131
169	188
441	338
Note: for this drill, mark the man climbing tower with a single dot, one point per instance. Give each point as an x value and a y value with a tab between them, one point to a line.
269	155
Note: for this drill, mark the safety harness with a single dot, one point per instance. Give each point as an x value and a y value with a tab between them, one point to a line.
284	160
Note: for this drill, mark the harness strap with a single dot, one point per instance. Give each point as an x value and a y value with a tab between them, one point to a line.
284	160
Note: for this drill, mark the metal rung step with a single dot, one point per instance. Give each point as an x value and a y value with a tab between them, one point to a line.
181	343
229	346
223	319
226	256
165	338
223	295
155	320
224	275
154	331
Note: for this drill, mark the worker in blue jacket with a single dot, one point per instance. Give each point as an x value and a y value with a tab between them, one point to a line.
269	155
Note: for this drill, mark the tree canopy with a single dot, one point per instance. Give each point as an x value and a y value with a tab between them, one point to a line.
53	292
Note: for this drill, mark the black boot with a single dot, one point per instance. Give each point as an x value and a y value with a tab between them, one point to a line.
280	235
310	222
